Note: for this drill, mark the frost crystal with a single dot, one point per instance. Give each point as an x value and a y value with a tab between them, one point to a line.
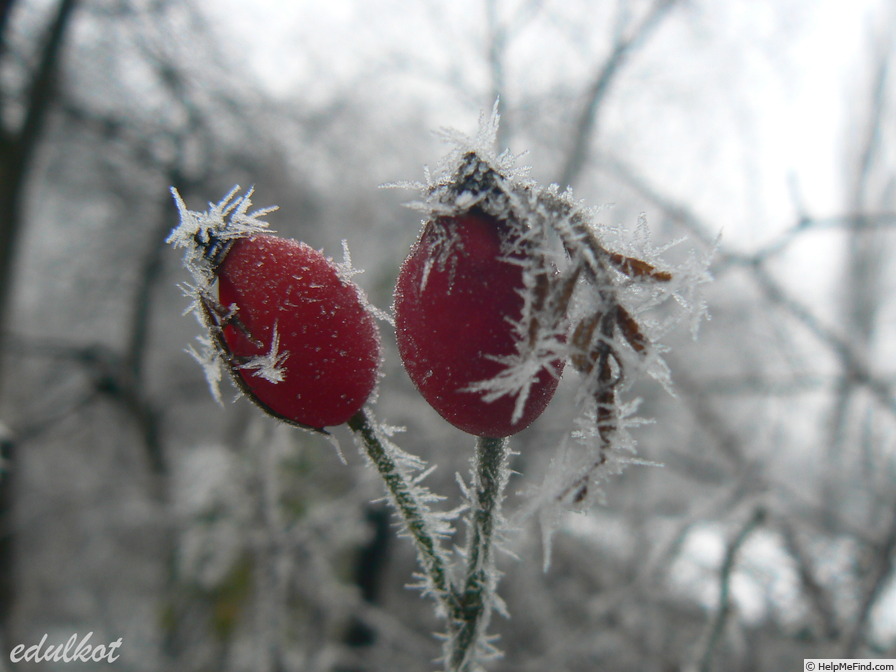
270	365
206	237
346	272
596	296
207	357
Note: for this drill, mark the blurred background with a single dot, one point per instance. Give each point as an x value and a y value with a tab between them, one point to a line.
211	539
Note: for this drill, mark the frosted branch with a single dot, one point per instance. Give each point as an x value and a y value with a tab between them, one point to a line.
409	501
469	643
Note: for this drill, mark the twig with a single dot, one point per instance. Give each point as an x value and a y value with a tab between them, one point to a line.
476	601
412	512
879	576
600	86
815	591
850	360
721	616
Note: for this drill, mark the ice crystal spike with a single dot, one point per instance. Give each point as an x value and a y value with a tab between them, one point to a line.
206	235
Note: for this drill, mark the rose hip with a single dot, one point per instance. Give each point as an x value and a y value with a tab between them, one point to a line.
457	297
301	342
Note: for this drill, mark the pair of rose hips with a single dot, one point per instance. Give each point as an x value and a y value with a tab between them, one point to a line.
457	297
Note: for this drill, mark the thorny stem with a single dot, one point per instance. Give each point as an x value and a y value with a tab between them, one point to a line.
410	510
479	584
469	608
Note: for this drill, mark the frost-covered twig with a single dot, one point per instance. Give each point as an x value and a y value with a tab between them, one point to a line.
420	523
478	598
469	606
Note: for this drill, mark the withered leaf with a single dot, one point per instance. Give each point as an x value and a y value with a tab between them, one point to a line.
638	268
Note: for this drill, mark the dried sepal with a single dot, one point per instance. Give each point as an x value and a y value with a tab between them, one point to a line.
637	268
606	409
582	355
631	330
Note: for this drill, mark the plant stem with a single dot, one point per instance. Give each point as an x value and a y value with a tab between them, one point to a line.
412	512
468	611
476	601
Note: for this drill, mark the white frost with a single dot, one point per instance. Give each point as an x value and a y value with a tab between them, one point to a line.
576	272
204	236
223	222
210	361
270	365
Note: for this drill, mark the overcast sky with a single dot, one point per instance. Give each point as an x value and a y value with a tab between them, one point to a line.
778	71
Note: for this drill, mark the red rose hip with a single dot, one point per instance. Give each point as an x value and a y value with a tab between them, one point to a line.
457	297
300	338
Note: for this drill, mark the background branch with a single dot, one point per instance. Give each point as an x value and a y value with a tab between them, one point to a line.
586	124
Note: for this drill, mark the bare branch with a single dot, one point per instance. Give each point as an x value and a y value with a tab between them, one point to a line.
852	364
874	588
815	591
586	125
499	35
5	12
872	142
717	626
18	147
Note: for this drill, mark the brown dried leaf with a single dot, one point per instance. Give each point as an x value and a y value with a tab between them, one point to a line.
631	330
583	357
637	268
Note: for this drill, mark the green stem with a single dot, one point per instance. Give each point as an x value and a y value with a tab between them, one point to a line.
411	511
476	601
